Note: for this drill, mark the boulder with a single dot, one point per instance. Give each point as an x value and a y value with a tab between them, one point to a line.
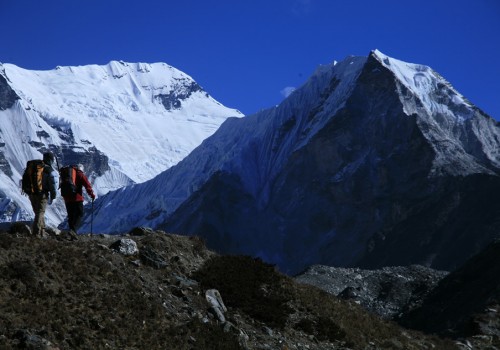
125	246
152	258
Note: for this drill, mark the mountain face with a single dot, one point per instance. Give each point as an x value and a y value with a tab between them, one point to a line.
373	161
125	122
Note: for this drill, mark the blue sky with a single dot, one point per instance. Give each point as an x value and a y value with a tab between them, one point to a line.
246	52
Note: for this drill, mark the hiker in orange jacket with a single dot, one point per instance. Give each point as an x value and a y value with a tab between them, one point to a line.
74	201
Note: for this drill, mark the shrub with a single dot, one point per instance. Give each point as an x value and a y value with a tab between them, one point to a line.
249	284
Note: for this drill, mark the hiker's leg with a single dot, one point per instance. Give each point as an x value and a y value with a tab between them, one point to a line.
39	204
43	206
35	204
78	215
71	214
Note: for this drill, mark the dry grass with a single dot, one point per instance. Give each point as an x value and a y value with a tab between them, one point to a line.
264	294
82	295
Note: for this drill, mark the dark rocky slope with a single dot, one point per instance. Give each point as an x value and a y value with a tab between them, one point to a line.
388	292
463	304
442	230
466	302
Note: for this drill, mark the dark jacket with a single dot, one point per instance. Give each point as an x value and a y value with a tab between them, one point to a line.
80	182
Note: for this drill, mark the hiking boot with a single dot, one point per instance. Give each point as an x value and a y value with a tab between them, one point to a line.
72	236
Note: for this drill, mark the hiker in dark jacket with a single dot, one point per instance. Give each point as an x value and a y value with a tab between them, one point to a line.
39	201
74	202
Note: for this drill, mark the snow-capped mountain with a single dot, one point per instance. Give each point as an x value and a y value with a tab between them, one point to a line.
372	161
126	122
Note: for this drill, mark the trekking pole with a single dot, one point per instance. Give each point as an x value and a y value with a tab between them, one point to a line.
92	219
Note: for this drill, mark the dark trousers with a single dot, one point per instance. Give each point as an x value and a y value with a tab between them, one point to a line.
75	214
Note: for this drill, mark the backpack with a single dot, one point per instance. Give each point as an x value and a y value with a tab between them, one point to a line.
68	180
32	181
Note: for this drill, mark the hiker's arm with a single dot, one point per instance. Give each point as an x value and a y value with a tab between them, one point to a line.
88	187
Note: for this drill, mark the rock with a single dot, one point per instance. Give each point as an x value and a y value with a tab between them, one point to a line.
184	282
348	293
152	258
125	246
268	331
141	231
217	305
33	341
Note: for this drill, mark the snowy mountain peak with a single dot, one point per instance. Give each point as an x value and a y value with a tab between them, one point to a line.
427	84
126	122
359	148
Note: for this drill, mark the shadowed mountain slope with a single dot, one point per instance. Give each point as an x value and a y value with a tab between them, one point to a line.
466	302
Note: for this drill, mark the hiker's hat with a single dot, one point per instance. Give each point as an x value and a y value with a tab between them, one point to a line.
48	157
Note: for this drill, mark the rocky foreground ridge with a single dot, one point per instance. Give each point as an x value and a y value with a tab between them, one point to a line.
151	290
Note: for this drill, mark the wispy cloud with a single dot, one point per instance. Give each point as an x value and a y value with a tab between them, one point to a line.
287	91
301	7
